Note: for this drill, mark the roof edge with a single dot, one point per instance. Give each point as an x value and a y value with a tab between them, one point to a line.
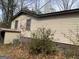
34	14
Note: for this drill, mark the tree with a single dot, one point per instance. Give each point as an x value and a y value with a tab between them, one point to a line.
66	4
8	9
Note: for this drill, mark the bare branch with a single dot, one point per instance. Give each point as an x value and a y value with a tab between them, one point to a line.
73	2
67	4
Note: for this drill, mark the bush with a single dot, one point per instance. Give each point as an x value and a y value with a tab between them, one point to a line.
16	42
42	42
69	53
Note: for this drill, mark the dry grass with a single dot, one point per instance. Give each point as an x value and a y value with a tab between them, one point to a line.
21	52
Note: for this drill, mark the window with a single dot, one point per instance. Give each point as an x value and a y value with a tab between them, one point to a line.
16	24
28	24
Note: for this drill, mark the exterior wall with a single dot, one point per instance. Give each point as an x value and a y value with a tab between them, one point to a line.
10	36
22	20
62	24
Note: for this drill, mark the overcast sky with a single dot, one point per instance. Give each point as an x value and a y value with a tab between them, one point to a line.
54	3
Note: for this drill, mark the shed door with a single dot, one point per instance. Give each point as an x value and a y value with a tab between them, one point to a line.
2	35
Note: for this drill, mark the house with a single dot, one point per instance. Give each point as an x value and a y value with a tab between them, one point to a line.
61	21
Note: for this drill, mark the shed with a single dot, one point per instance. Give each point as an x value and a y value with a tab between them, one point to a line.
8	35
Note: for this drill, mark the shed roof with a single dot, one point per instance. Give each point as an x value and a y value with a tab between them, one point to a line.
9	30
34	14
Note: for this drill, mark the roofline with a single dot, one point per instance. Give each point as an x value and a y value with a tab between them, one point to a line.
24	12
65	12
34	14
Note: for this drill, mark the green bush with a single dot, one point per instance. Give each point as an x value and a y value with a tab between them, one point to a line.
42	42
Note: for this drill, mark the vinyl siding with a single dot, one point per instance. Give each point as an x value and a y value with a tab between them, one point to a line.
10	36
62	24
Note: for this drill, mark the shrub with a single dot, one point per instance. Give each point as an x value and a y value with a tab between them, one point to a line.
42	41
69	53
16	42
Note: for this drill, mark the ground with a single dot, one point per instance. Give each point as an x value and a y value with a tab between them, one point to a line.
21	52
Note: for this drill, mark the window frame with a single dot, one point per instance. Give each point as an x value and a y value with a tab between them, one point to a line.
28	24
16	24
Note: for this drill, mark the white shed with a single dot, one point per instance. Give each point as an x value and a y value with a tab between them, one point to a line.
7	35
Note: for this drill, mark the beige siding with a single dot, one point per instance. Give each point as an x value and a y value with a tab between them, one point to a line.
21	21
21	25
62	24
10	36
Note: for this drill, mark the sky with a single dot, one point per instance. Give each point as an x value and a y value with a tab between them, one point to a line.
54	3
0	14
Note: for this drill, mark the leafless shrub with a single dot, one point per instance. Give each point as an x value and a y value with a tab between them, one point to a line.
73	36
